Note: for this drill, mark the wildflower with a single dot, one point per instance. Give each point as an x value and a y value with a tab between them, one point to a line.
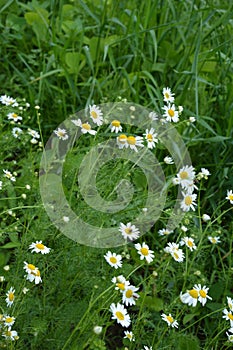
97	329
14	116
190	297
129	335
186	176
120	314
129	231
29	268
180	109
153	116
189	242
113	259
120	282
202	294
134	141
10	296
164	232
25	290
145	252
192	119
9	334
38	247
205	217
147	348
8	320
188	201
33	133
61	134
168	160
228	316
184	228
170	113
116	126
16	132
168	96
33	273
122	141
8	101
151	138
170	320
204	173
129	295
8	174
230	303
230	336
85	127
176	253
214	240
230	196
96	115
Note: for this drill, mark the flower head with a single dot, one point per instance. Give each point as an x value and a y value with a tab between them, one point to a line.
145	252
38	247
168	96
189	242
16	132
116	126
188	201
230	196
61	134
8	101
113	259
10	296
85	127
8	175
129	335
120	314
202	291
8	320
170	113
214	240
129	231
168	160
228	316
129	295
96	114
120	282
170	320
10	335
151	138
185	176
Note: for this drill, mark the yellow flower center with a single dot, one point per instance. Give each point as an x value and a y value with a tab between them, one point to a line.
150	137
230	316
144	251
113	260
31	267
40	246
121	286
183	175
129	293
120	315
14	115
122	138
171	113
193	293
167	95
128	231
94	114
9	319
213	240
7	333
170	319
116	123
188	200
202	293
86	126
36	273
230	197
61	133
131	140
190	243
176	255
11	296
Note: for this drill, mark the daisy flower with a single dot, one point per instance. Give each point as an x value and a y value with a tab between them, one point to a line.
190	297
188	201
168	96
14	116
134	141
8	320
9	334
61	134
214	240
34	276
176	253
170	113
8	101
164	232
16	132
153	116
170	320
129	335
230	196
186	176
116	126
29	268
120	314
230	336
230	303
33	133
96	115
129	295
204	173
228	316
151	138
10	296
202	291
8	174
147	347
189	242
113	259
145	252
85	127
38	247
168	160
120	282
129	231
122	141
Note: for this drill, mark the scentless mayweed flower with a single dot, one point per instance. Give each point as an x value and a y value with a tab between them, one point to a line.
170	320
198	293
10	335
153	116
16	132
113	259
33	133
14	116
85	127
61	134
230	336
33	273
119	313
38	247
145	252
170	113
96	114
8	101
228	316
214	240
129	295
189	242
164	232
168	160
151	138
230	196
10	297
9	176
129	231
120	282
134	141
168	96
176	253
188	202
129	335
186	176
204	173
115	126
8	320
